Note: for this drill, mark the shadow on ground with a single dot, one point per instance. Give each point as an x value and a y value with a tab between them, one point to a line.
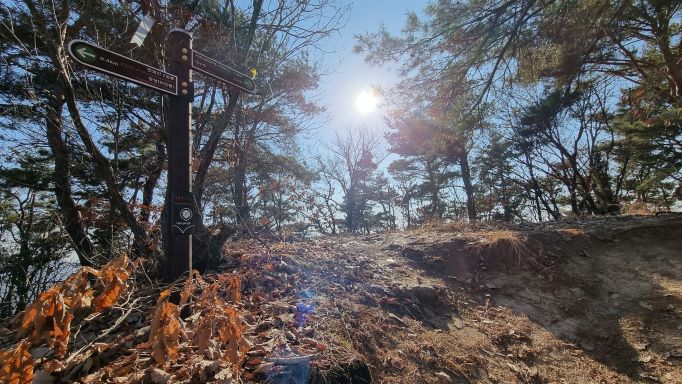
616	295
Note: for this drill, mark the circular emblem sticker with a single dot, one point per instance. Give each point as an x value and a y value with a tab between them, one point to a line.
185	214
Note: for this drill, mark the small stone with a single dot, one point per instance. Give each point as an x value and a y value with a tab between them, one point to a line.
397	319
159	376
457	323
644	359
640	346
587	345
210	367
40	352
42	377
424	293
444	377
514	367
264	326
223	377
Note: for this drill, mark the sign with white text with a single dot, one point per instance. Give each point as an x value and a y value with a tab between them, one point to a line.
222	72
125	68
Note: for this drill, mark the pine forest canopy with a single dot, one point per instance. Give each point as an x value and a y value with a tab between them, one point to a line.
504	110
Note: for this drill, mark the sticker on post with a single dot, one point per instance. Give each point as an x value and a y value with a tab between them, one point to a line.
182	206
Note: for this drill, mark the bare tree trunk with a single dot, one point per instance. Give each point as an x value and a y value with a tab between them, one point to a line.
468	187
240	188
151	182
62	183
350	209
435	187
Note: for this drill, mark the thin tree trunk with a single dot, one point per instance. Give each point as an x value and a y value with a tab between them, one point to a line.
151	182
468	187
240	193
62	184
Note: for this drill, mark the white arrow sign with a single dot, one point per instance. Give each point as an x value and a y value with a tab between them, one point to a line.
85	52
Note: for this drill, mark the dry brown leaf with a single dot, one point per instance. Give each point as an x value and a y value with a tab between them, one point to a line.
48	320
203	334
188	288
109	295
17	364
234	287
171	331
163	296
112	278
220	321
28	318
76	289
59	339
230	333
164	335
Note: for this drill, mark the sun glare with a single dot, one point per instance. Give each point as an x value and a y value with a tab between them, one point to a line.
366	102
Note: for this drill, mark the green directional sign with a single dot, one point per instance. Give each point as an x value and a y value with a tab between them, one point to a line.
112	63
222	72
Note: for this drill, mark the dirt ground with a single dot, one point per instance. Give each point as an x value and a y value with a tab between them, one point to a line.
588	301
581	302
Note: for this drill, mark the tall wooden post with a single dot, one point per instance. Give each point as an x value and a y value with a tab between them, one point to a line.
179	199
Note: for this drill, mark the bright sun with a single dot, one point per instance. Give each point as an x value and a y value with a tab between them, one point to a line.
366	102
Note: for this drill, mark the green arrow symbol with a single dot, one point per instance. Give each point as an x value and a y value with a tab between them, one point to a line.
86	53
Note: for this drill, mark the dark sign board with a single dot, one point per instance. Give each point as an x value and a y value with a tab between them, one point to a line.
182	210
222	72
112	63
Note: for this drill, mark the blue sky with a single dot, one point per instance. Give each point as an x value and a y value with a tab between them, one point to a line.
350	75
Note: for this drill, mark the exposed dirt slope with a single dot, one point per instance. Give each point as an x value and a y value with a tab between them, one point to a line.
582	302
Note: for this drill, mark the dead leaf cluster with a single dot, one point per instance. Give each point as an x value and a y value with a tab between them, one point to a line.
47	321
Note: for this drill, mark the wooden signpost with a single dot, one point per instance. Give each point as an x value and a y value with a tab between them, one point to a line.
177	84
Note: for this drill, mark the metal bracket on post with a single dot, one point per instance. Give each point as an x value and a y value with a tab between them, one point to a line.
179	123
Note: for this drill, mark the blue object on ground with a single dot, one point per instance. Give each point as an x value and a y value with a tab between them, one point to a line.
303	312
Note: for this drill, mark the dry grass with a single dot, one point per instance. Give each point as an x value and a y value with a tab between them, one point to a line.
572	232
640	209
507	243
477	226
